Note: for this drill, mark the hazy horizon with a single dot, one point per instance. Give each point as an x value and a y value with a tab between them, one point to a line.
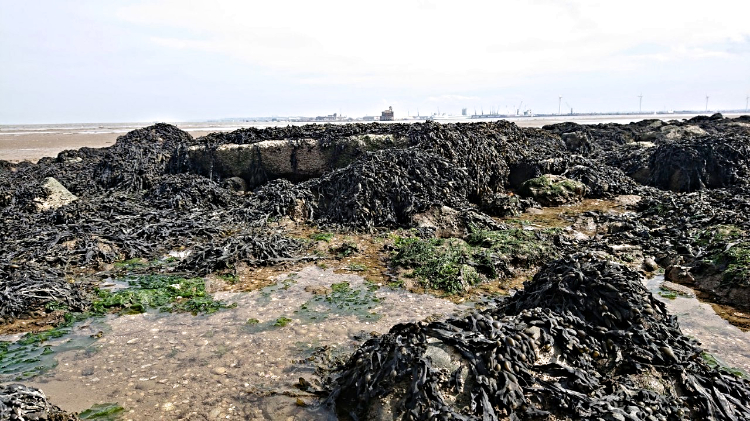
136	61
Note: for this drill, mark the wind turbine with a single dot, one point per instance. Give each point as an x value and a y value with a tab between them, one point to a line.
706	103
640	103
559	104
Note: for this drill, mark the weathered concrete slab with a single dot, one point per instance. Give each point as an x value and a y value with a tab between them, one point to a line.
56	195
293	159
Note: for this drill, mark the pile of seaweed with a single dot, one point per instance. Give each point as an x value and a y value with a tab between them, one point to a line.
20	403
584	339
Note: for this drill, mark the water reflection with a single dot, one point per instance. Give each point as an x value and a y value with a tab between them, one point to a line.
699	320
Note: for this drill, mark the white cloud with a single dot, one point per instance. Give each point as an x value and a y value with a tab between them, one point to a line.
439	43
254	58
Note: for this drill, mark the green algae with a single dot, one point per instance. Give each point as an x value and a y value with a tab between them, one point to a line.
103	412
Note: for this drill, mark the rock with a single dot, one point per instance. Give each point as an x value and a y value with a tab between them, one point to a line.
443	221
292	159
552	190
679	132
649	264
680	275
236	184
579	141
318	289
219	371
56	195
680	289
504	205
19	402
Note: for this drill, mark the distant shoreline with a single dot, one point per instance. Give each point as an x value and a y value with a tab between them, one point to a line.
31	142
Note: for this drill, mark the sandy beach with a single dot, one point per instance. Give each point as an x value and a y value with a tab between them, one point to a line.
34	146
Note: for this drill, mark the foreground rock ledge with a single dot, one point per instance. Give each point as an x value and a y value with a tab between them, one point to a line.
583	340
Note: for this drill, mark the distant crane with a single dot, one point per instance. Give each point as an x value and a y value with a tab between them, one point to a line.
559	103
640	103
571	108
518	110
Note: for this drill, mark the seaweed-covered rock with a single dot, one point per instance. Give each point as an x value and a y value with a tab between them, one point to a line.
20	403
584	340
386	188
700	164
552	190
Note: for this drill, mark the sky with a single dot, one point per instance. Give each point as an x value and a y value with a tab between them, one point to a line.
181	60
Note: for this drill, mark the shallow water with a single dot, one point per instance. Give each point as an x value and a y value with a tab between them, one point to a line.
697	319
179	366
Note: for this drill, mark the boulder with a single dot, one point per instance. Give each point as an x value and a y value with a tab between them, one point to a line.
55	195
552	190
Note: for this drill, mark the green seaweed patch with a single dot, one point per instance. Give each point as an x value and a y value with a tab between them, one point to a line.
453	265
715	364
322	236
737	259
669	294
167	293
130	264
103	412
142	265
356	267
282	321
229	278
343	300
32	355
717	234
516	243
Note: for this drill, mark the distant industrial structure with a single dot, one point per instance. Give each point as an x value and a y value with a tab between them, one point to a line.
387	115
330	117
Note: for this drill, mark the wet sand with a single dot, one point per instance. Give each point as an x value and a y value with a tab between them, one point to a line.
34	146
238	363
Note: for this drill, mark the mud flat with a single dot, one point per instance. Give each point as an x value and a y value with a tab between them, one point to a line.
496	269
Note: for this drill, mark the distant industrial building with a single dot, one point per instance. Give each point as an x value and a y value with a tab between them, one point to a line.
330	117
387	115
464	111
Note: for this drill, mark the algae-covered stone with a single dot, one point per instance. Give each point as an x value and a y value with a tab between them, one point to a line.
552	190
